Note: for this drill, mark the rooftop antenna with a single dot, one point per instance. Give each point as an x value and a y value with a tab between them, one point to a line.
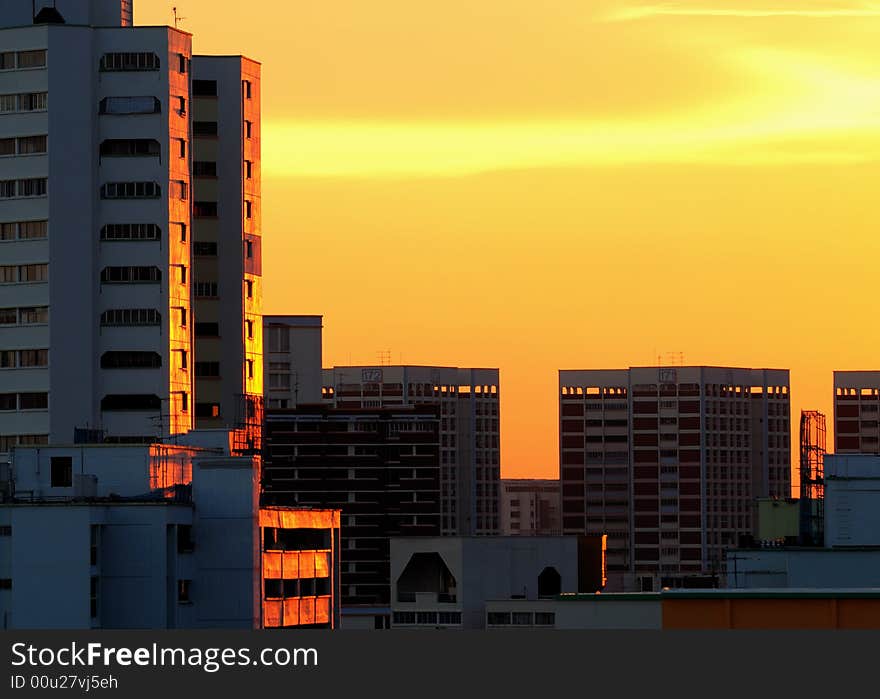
177	18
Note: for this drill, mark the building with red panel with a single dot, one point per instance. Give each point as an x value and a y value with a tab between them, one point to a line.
667	462
856	412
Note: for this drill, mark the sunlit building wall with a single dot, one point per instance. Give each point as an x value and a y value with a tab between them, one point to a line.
94	209
668	462
226	240
470	454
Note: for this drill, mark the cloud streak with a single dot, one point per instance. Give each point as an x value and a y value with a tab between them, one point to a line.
651	11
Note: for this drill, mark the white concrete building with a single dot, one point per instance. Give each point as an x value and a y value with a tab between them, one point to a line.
470	453
157	536
94	215
292	354
531	507
227	250
447	581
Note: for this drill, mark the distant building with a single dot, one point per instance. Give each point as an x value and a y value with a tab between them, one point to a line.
470	454
378	466
227	244
158	536
530	507
777	520
445	582
292	357
668	461
857	412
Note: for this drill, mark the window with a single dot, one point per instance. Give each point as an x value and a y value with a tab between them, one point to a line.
181	147
182	227
8	103
7	359
545	618
33	273
129	147
131	190
248	129
184	401
207	410
181	63
8	401
33	229
183	359
181	190
93	597
249	249
130	231
249	329
204	209
204	128
450	617
279	338
499	618
129	61
181	270
204	88
184	538
131	317
250	368
205	289
8	274
34	315
248	209
205	248
246	85
131	360
182	317
8	316
61	471
207	329
522	618
130	275
249	288
32	187
204	168
7	146
28	145
33	358
7	60
33	401
184	590
31	59
129	105
207	370
33	102
248	170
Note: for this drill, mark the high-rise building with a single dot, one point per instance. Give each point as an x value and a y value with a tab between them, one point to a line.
226	242
94	209
668	462
469	434
856	412
380	467
530	507
292	360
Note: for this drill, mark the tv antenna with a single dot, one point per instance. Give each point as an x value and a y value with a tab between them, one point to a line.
177	18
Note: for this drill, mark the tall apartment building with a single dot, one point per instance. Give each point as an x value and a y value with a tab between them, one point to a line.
292	360
530	507
668	461
94	213
856	412
226	242
378	466
470	454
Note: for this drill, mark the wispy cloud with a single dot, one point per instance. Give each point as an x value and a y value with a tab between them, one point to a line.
680	10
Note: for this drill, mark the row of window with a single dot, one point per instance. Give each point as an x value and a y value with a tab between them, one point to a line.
304	587
207	369
521	619
7	441
12	274
205	289
25	315
24	358
24	230
26	187
24	102
130	317
21	60
130	61
24	401
428	618
129	147
209	129
131	360
133	275
146	104
23	145
130	231
131	190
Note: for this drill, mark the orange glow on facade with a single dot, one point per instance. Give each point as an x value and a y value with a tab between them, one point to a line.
576	185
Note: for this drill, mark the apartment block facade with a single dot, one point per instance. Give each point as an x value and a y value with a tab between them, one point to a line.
857	412
94	208
292	353
470	454
226	245
667	461
530	507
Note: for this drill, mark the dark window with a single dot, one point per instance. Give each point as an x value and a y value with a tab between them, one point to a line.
248	169
131	190
131	231
129	61
130	147
272	588
207	329
204	128
206	248
181	63
181	147
549	582
207	409
204	168
205	209
62	471
204	88
207	369
33	401
130	105
275	539
246	84
8	401
248	209
136	401
131	316
184	538
131	360
130	275
184	590
93	597
248	129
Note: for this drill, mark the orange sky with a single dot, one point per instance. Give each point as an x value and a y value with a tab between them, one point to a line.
568	184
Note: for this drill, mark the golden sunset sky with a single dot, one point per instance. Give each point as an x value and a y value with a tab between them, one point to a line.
568	184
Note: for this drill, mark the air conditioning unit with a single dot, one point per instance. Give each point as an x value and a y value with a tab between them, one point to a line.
85	486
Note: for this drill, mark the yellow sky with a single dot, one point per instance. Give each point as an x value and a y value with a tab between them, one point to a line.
568	184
